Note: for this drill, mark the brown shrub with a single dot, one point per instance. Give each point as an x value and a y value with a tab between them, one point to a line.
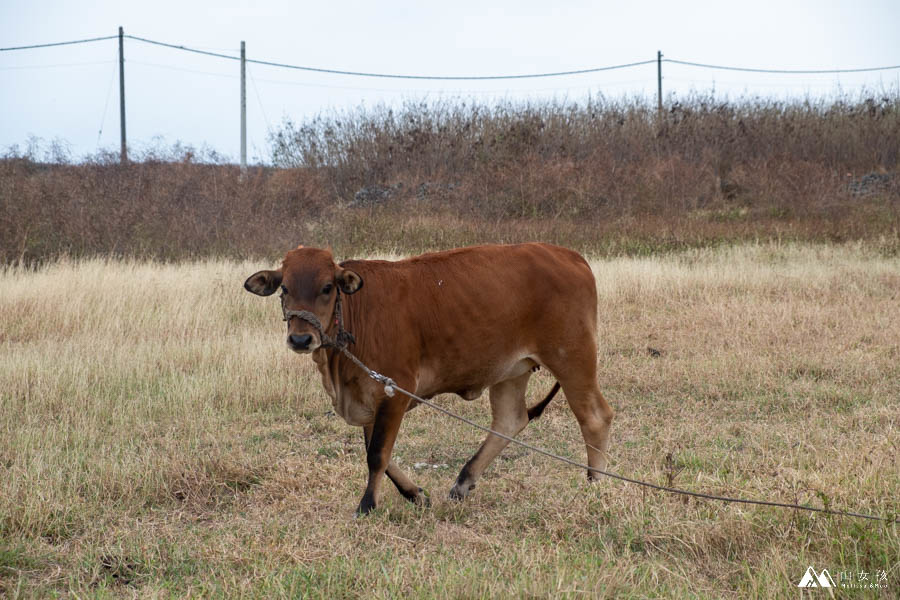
610	176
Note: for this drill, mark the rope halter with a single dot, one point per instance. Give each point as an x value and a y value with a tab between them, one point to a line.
341	340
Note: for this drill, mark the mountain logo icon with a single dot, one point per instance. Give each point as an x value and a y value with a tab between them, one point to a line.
811	580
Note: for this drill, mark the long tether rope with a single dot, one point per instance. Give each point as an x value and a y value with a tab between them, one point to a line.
390	387
344	338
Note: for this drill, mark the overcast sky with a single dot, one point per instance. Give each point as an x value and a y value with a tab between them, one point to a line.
71	92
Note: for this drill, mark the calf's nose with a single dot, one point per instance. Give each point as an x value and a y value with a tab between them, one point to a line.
299	342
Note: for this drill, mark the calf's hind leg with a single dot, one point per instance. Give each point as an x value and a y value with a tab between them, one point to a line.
577	374
594	417
509	416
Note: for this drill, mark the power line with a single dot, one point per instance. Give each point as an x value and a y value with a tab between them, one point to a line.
406	90
461	77
824	83
184	48
392	75
454	78
106	105
84	41
522	76
181	69
259	100
56	66
783	71
235	50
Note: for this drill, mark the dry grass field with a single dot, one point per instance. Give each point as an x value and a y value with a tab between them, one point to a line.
158	440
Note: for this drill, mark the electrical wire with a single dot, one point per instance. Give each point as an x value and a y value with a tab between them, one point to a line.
389	75
57	65
106	105
453	77
84	41
181	69
259	101
406	90
783	71
459	77
821	83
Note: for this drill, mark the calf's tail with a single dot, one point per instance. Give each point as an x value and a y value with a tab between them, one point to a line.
538	409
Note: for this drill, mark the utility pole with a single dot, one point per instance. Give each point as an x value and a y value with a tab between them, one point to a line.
243	110
659	80
124	152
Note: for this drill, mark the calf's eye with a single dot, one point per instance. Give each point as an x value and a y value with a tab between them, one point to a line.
327	289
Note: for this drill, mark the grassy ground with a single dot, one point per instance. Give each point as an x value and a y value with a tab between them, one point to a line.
158	440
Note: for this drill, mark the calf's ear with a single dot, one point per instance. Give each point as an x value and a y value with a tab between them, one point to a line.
348	281
263	283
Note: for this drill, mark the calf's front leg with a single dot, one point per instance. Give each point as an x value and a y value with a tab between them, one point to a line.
407	488
379	444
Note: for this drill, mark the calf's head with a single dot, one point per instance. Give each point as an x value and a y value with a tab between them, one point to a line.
309	280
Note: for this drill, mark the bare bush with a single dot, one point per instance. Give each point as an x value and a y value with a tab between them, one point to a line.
613	176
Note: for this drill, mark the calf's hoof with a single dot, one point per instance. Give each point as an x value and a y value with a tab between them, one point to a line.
422	499
459	492
594	477
419	497
366	505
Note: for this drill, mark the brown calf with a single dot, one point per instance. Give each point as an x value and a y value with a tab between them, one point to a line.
458	321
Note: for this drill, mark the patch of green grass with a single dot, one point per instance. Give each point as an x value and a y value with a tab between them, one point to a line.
15	558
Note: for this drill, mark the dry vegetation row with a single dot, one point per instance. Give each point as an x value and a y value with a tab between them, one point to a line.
606	177
158	440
